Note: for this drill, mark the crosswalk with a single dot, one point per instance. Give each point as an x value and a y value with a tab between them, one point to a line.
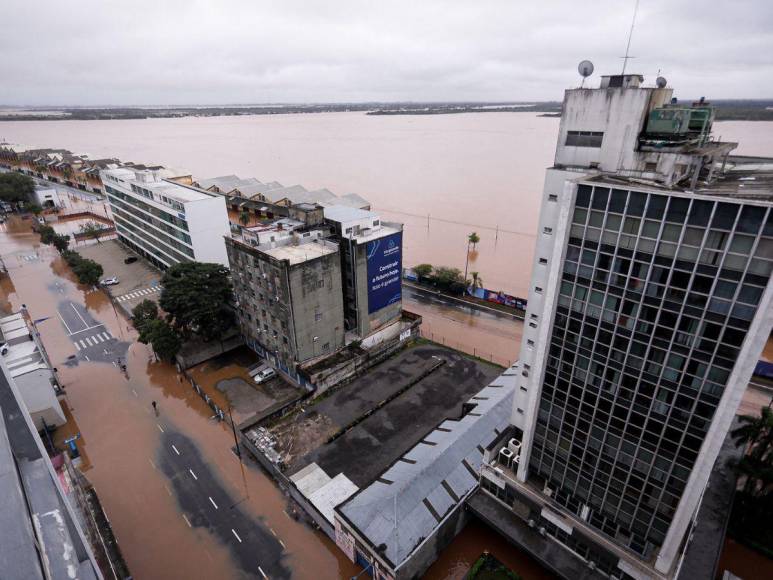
92	340
138	293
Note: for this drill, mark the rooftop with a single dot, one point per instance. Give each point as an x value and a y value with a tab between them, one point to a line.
343	213
297	254
156	181
412	497
744	177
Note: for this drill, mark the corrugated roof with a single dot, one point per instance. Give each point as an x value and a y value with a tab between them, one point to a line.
431	478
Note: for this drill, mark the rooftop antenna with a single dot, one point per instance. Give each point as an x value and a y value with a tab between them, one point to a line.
630	35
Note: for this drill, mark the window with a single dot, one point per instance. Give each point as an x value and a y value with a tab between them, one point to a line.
584	138
650	167
530	342
538	290
547	230
320	283
552	197
543	261
532	325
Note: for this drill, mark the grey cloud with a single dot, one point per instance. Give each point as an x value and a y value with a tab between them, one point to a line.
245	51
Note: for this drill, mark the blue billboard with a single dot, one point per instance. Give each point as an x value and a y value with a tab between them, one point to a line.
385	265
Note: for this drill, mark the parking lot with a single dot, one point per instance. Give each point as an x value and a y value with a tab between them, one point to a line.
137	281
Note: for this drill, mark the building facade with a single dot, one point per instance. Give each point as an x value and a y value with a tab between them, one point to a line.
649	305
288	285
164	220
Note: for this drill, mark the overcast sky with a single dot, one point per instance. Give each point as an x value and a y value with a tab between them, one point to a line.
143	52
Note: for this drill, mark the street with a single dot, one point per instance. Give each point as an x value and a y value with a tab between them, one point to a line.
181	503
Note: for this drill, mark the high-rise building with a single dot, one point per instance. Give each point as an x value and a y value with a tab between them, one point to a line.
165	220
649	305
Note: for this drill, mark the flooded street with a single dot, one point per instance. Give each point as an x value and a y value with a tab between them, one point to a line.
165	526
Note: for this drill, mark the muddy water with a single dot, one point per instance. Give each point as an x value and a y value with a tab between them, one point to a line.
481	172
119	437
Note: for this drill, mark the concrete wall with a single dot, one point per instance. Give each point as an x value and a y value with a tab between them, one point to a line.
39	397
317	312
208	225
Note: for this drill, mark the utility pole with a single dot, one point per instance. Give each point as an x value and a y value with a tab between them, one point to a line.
233	429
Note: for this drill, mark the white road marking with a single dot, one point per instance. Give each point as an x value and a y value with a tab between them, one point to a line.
135	392
212	501
97	338
187	521
85	329
169	491
79	315
107	335
83	344
272	531
237	537
77	346
193	474
88	341
65	324
175	450
283	544
151	463
159	428
87	357
261	572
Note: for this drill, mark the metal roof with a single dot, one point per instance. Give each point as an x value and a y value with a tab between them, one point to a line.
408	502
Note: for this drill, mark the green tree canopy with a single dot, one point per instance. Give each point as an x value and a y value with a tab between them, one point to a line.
35	208
196	298
423	270
473	239
92	230
47	234
162	337
446	276
244	217
61	242
143	313
16	187
88	271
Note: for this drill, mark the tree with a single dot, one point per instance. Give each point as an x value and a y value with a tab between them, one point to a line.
92	230
88	271
756	433
35	209
423	270
61	242
196	298
15	187
445	276
477	281
143	313
473	239
244	217
47	234
161	337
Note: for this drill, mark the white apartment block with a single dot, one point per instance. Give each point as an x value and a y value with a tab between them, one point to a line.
165	221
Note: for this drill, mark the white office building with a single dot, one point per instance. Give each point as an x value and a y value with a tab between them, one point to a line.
166	221
649	305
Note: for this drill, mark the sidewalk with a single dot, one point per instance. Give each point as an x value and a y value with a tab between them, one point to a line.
462	301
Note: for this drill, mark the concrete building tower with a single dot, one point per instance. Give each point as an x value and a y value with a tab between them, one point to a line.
649	305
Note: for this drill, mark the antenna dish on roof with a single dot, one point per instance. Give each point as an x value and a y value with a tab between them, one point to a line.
585	68
661	82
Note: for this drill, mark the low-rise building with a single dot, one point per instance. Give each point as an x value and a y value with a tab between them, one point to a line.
27	364
47	197
159	216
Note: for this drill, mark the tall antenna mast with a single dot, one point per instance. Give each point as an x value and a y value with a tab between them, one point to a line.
630	35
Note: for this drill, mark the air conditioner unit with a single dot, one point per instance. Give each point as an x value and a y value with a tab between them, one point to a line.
506	457
516	460
515	446
542	531
547	491
532	523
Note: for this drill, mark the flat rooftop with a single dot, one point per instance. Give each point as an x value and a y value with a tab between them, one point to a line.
157	183
748	178
370	447
302	252
345	213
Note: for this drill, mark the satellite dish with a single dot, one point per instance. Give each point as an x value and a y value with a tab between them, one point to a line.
585	68
661	82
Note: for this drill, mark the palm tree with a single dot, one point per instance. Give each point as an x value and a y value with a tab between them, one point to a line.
756	433
477	281
473	239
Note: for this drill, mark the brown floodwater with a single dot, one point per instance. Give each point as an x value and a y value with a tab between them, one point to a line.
481	172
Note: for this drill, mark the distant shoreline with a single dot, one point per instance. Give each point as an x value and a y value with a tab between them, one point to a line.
726	110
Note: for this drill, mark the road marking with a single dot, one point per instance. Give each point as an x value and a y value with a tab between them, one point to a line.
169	491
283	544
79	315
65	324
159	428
83	344
272	531
77	346
238	538
88	341
135	392
286	515
87	357
175	450
193	474
98	338
85	329
151	463
261	571
187	521
106	335
212	501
